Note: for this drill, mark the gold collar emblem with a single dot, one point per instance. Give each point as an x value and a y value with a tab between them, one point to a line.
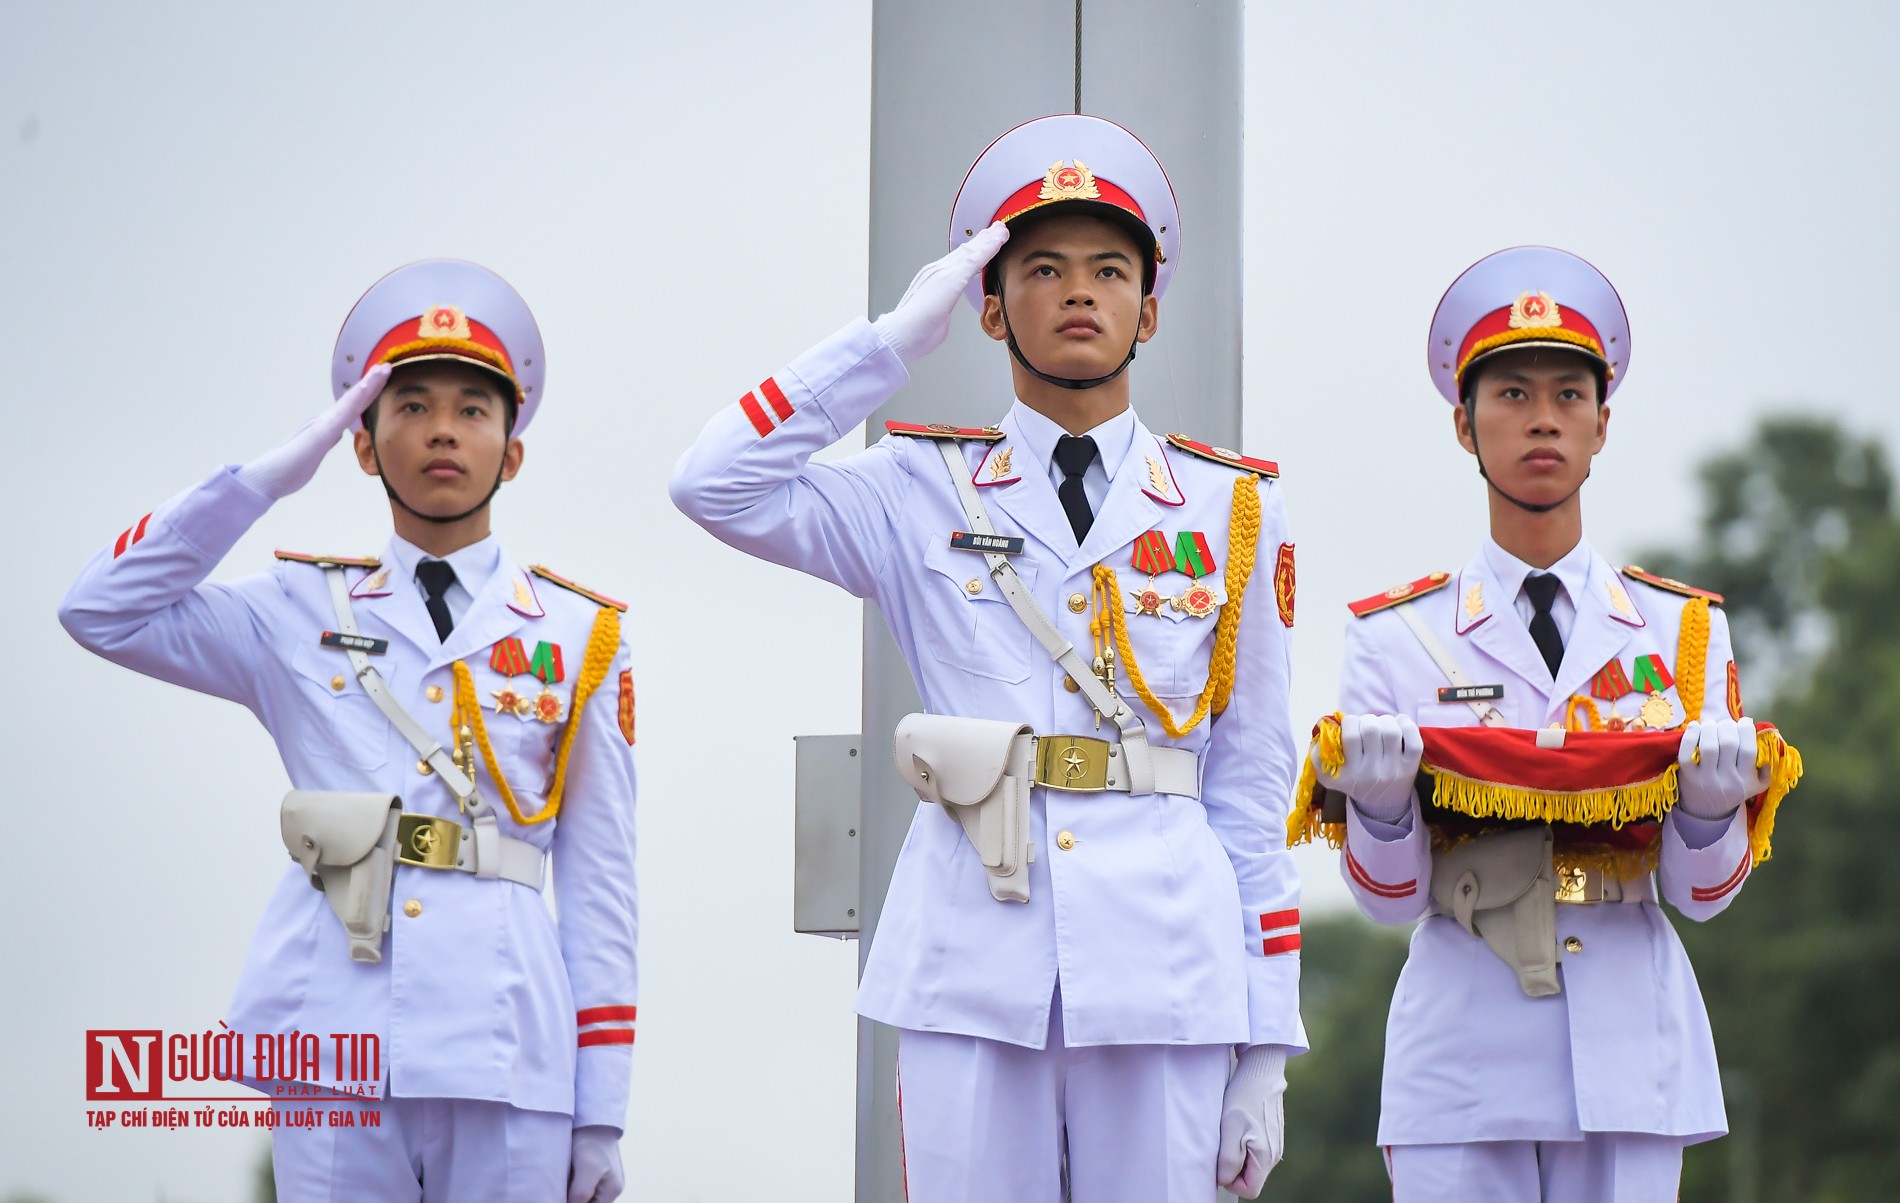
1069	183
1535	311
1474	599
999	463
1620	600
1158	476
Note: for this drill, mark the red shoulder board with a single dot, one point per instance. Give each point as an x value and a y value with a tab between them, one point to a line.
1403	593
940	430
599	599
1222	455
340	561
1670	583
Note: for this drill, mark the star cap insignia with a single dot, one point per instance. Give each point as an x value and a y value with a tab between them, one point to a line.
1069	183
443	321
1535	311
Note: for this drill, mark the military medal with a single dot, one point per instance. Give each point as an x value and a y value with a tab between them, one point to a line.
508	657
509	700
1153	557
546	706
1657	714
1652	675
1191	554
1610	682
546	663
1197	600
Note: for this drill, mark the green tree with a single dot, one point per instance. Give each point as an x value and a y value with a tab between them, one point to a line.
1801	535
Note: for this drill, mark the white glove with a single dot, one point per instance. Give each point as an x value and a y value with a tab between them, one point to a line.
1382	752
277	474
921	320
595	1176
1252	1120
1723	775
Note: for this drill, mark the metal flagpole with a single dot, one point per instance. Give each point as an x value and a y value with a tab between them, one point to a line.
946	80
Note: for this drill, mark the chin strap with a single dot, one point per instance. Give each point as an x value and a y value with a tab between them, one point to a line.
1529	507
1059	381
390	489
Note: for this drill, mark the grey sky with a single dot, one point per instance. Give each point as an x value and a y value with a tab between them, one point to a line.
192	196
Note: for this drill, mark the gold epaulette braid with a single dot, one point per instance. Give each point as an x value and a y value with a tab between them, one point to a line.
602	645
1243	537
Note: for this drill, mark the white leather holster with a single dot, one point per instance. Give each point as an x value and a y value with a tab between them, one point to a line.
979	771
1501	888
346	843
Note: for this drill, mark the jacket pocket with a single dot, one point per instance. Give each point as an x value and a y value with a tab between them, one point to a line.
968	623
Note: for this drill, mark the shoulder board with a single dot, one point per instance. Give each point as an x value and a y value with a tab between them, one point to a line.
340	561
1221	455
1670	583
939	430
599	599
1399	595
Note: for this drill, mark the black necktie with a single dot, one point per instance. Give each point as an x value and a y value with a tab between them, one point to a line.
1074	454
436	576
1541	588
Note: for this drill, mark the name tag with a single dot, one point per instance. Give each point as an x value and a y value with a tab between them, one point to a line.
1005	545
1471	693
355	643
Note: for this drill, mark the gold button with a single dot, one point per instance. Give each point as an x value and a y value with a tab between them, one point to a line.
412	908
1078	602
1069	684
1065	840
434	692
1573	945
974	587
422	766
336	683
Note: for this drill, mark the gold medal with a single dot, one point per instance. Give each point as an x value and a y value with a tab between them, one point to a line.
1196	601
1148	601
509	700
1657	714
546	706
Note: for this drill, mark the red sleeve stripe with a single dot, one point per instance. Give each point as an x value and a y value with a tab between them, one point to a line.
1365	881
1273	919
760	422
605	1015
1279	944
606	1036
129	536
1711	893
775	397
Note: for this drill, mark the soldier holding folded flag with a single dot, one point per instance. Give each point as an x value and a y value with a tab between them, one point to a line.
1532	751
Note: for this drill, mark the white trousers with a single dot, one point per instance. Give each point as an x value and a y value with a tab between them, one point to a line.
985	1121
1603	1167
426	1151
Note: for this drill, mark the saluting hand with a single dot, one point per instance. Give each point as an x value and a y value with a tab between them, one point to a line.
920	321
1382	755
277	474
1717	770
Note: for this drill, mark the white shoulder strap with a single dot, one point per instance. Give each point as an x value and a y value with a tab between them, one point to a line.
1441	656
482	816
1107	703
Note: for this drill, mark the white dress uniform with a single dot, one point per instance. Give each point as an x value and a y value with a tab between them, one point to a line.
1147	910
489	1013
1589	1094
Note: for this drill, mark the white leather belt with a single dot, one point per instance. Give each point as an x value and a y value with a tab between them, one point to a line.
429	842
1084	765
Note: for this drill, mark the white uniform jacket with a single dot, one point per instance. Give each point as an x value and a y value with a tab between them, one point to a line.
480	995
1153	918
1626	1046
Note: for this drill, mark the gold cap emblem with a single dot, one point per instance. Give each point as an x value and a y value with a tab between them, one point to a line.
1535	311
443	321
1069	183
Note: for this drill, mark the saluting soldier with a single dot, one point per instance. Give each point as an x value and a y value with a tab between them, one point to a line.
450	720
1547	1040
1094	906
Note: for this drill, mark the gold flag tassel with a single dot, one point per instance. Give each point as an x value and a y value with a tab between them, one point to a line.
1243	536
1304	824
602	645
